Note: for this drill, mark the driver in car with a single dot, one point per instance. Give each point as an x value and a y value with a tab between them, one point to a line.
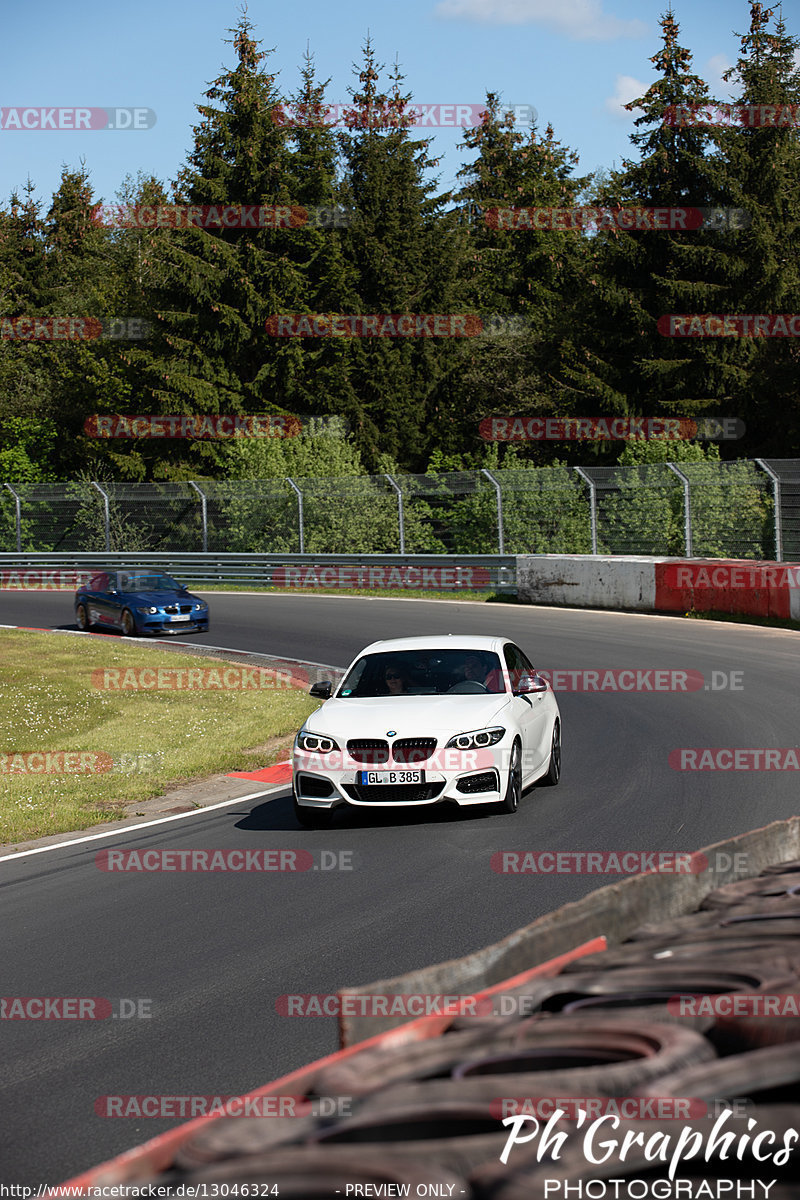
475	669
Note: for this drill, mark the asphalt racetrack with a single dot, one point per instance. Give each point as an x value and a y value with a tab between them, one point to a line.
213	952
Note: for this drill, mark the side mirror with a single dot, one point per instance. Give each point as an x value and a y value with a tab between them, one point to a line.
321	690
530	683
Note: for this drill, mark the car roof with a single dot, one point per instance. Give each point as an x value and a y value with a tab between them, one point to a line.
454	641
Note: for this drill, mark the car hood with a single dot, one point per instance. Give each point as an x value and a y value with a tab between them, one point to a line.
408	716
159	599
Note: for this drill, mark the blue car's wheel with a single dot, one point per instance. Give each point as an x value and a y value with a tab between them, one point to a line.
82	618
128	623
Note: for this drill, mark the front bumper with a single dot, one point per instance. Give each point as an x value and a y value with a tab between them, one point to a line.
480	779
160	624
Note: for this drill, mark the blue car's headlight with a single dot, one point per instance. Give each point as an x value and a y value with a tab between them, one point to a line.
476	739
315	742
149	610
200	607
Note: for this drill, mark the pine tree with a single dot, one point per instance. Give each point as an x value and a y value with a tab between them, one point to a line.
407	253
522	272
216	287
624	364
762	165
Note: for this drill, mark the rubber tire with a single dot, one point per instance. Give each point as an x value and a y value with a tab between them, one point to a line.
554	769
745	919
454	1136
748	951
510	802
736	1075
232	1137
381	1070
311	818
766	886
635	1054
128	623
83	624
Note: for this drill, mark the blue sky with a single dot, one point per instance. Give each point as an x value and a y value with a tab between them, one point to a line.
574	61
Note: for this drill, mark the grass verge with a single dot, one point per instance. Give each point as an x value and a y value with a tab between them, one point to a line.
144	742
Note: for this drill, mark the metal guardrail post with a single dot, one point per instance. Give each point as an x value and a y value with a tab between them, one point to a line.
17	506
293	485
400	518
107	514
204	512
687	512
592	505
500	530
776	492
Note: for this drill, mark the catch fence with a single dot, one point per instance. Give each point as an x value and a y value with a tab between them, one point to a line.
741	509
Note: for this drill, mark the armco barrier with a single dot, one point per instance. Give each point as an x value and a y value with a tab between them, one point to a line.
301	572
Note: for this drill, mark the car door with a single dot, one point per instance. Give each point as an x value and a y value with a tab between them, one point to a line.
530	711
97	599
115	599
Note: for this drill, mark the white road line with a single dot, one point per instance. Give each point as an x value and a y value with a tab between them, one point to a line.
123	829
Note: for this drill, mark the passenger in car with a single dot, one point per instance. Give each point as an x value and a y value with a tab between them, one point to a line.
395	680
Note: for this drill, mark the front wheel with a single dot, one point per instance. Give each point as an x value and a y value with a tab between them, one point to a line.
311	818
554	770
128	623
82	618
511	799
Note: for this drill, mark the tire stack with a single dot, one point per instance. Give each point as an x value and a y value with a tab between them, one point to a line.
430	1112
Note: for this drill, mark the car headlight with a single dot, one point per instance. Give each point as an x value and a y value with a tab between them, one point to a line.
476	739
315	742
149	611
200	607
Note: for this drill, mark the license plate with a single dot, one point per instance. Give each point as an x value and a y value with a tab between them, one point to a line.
186	618
369	778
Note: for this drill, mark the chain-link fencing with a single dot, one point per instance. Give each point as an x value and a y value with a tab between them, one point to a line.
743	509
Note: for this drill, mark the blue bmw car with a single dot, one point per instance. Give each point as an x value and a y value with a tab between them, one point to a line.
139	601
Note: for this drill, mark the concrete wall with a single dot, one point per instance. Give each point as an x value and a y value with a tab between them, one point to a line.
653	584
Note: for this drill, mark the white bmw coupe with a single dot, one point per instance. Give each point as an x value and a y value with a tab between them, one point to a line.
421	720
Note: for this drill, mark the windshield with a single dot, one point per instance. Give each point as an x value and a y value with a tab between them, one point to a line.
424	673
147	581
